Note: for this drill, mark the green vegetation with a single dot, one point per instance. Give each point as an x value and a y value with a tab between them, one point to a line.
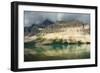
57	41
40	38
61	41
29	44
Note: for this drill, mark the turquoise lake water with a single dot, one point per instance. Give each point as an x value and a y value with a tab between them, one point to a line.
56	52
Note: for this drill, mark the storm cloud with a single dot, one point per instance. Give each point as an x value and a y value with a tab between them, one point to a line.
35	17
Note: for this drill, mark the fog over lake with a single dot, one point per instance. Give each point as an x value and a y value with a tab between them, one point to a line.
34	17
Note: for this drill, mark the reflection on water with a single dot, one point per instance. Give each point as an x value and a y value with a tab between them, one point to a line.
57	52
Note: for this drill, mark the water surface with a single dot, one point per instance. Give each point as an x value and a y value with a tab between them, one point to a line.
56	52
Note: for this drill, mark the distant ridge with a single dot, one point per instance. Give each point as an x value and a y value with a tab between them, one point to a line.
54	26
47	22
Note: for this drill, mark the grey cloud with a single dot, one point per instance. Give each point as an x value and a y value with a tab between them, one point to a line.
31	17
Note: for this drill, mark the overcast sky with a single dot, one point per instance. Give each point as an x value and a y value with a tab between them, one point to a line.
31	17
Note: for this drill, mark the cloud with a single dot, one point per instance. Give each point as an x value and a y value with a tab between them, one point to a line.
31	17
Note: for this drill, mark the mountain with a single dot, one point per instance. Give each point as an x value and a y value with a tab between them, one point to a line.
47	22
34	28
43	24
68	31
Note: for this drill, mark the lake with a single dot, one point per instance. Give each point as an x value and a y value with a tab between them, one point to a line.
56	52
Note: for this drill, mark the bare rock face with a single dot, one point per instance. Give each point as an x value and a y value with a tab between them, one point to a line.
71	32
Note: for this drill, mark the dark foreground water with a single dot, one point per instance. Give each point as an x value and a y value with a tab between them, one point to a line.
56	52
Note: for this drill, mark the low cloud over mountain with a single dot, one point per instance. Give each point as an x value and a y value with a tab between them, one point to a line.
31	17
